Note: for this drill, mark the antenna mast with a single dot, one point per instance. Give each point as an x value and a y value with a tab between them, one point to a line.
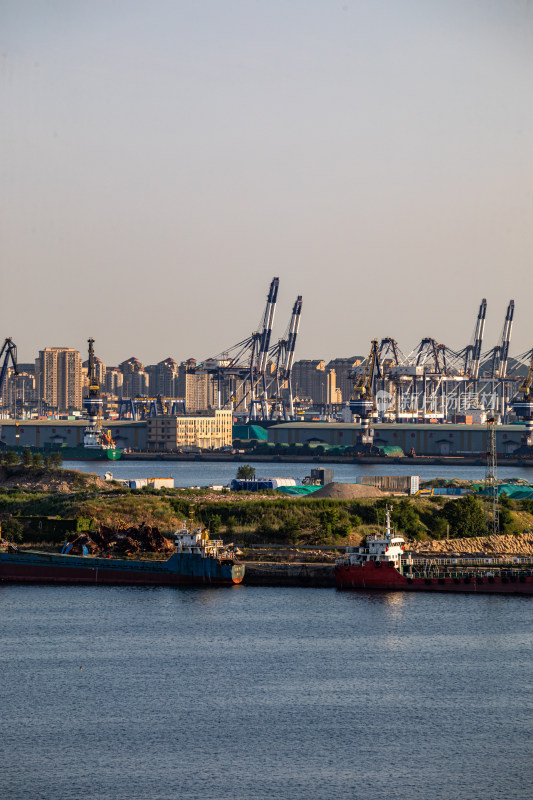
491	479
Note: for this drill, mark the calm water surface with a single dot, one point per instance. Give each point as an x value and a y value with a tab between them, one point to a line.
249	693
197	473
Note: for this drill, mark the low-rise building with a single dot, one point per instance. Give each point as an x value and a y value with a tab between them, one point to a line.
177	432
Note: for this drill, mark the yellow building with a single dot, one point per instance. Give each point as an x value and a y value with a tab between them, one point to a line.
174	433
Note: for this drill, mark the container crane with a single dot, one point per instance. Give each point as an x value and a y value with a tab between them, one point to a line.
478	340
506	339
246	364
284	360
522	405
362	402
286	369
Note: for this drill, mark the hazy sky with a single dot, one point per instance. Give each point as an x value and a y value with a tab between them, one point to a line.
161	160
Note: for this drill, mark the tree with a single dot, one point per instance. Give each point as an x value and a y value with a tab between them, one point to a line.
438	527
466	516
230	525
406	518
57	459
504	511
246	472
290	530
12	458
37	460
12	529
27	457
215	524
48	462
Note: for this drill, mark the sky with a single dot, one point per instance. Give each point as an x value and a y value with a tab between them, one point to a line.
162	160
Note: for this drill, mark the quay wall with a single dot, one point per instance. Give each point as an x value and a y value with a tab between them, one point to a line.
461	441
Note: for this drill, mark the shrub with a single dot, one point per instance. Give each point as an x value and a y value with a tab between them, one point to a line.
246	472
465	516
12	529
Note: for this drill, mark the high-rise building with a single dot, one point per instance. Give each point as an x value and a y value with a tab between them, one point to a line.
342	367
19	390
196	387
59	378
312	380
113	382
309	380
135	378
163	378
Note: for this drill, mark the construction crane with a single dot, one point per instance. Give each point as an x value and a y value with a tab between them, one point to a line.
9	352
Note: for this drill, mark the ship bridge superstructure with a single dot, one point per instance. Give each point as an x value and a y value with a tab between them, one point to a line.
387	547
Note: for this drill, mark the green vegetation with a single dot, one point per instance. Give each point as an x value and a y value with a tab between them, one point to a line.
30	458
12	529
37	512
246	472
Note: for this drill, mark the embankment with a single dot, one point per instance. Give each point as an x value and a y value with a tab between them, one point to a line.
270	573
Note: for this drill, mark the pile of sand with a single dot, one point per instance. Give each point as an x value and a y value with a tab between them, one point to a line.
347	491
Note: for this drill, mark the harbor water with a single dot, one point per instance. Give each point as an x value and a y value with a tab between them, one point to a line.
207	473
254	693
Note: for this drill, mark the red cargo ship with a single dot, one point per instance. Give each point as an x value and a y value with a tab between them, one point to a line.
384	564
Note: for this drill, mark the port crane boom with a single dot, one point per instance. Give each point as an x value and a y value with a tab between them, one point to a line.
478	339
283	357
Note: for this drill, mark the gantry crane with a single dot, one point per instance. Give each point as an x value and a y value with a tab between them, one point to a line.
522	405
282	355
362	401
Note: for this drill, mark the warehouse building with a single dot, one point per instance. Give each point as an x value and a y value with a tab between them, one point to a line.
427	440
68	433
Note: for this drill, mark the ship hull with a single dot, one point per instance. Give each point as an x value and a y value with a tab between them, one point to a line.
387	577
76	453
179	570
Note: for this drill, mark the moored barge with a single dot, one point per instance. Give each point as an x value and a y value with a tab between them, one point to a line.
198	560
385	564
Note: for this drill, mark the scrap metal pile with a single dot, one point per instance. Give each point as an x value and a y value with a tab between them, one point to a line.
127	541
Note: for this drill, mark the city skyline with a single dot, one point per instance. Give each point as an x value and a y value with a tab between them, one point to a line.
491	339
160	162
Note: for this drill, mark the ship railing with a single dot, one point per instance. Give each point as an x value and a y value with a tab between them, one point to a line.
467	573
475	561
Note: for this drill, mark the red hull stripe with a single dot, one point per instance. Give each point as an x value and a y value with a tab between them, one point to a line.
385	577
